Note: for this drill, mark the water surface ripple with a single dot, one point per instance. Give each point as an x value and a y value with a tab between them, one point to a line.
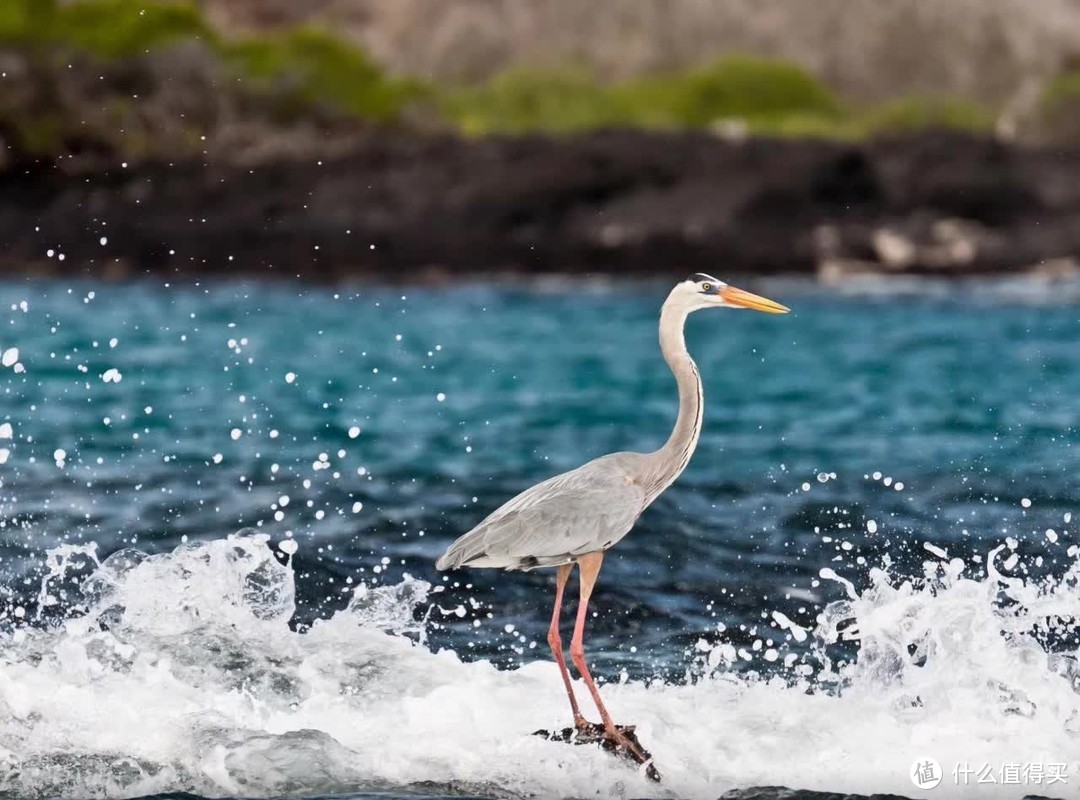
917	431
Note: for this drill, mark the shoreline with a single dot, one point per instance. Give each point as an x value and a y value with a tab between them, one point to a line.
399	208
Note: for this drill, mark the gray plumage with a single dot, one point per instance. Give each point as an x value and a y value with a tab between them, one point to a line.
581	511
590	508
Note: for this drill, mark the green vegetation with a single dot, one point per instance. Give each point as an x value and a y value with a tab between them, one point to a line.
759	96
760	91
301	68
1059	108
523	100
763	94
106	28
316	67
1065	89
304	69
920	112
120	28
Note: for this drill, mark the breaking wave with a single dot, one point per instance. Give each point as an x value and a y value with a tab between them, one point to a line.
180	671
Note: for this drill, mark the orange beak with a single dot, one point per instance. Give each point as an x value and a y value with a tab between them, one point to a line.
744	299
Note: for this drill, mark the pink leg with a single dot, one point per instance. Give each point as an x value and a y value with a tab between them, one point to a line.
555	640
589	567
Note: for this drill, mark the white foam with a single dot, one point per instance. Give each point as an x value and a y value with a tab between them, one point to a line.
197	683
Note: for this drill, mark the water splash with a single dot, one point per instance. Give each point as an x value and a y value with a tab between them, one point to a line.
180	672
391	608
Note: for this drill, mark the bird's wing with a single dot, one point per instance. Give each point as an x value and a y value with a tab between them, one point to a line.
580	511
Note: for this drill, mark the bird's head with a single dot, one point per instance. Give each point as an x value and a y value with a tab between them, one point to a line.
704	291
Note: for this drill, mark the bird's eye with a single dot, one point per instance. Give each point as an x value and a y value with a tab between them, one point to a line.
706	287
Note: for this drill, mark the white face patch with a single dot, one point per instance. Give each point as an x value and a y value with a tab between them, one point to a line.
701	283
697	292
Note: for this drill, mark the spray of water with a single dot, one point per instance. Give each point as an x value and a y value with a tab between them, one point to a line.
179	671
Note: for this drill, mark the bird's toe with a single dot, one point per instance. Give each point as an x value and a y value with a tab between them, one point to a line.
623	741
590	730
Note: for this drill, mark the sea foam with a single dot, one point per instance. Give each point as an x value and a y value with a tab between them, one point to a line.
180	672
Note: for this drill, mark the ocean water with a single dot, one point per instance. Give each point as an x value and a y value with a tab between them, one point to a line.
220	505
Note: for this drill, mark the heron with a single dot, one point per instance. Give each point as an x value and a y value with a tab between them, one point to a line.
575	517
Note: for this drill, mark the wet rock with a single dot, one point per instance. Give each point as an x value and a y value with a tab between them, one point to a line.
384	204
592	733
784	793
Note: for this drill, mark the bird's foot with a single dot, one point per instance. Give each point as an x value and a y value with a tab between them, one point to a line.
621	741
583	727
583	732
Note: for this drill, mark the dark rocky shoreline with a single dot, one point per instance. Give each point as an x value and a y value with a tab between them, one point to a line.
389	206
784	793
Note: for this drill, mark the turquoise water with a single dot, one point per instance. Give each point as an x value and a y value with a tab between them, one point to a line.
372	426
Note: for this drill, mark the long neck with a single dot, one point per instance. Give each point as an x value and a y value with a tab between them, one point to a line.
667	463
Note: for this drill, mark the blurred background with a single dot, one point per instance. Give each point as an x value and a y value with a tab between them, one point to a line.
351	138
852	159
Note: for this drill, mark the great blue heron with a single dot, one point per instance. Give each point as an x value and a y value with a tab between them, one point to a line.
575	517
